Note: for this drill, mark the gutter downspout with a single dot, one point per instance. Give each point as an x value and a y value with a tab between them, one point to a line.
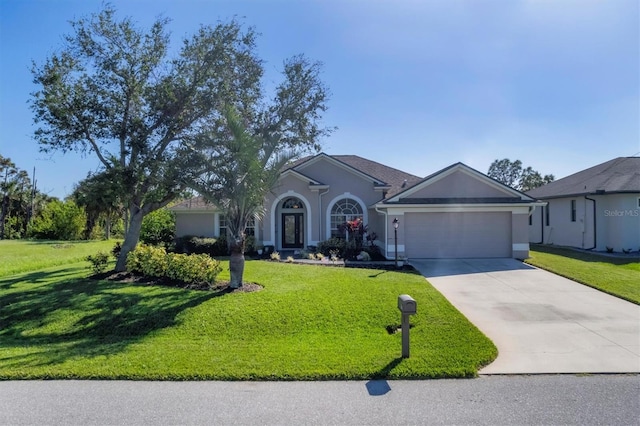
386	226
542	214
595	240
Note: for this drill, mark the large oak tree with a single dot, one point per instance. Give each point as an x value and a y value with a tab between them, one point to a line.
115	91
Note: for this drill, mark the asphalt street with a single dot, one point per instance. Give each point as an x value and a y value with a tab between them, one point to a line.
488	400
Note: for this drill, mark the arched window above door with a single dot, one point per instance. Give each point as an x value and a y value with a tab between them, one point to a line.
292	203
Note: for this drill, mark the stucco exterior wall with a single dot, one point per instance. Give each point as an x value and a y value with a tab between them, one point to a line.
200	224
318	203
458	185
617	222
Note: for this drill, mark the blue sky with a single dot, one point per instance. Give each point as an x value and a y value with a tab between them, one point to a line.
417	85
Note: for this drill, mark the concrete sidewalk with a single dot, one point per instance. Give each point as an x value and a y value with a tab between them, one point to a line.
540	322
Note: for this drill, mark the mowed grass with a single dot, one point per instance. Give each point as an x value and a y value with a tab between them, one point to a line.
308	323
30	255
617	276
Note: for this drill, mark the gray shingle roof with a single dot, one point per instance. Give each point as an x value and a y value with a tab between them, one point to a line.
195	203
396	179
621	174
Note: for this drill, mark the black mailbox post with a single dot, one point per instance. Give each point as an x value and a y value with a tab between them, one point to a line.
407	306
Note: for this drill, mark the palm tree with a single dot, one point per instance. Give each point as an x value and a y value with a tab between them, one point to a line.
239	170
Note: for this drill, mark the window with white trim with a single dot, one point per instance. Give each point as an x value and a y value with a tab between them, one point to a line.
573	210
344	210
250	229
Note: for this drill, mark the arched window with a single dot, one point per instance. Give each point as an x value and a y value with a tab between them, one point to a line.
292	203
344	210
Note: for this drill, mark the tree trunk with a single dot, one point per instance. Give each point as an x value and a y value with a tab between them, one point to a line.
130	239
236	261
3	214
107	226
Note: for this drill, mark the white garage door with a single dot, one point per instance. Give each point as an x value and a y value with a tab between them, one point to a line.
457	235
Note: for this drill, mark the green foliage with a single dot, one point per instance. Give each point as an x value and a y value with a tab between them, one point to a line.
616	276
112	82
156	262
303	325
512	174
117	248
29	255
193	268
98	261
214	247
148	260
333	244
59	221
158	228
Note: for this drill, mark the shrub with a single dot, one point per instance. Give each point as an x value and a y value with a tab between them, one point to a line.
148	260
193	268
364	256
99	262
156	262
59	221
275	256
250	244
200	245
332	244
290	259
158	228
117	248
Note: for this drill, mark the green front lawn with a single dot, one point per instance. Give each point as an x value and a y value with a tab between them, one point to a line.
29	255
617	276
309	322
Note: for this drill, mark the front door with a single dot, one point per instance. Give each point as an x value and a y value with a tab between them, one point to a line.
292	230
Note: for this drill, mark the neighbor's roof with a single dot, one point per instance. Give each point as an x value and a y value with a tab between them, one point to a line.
621	174
196	203
396	179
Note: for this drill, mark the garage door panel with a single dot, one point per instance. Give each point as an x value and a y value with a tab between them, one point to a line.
458	235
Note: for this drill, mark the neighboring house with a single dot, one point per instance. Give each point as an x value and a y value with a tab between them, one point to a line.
457	212
593	209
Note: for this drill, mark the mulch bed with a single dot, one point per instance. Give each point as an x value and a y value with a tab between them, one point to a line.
219	287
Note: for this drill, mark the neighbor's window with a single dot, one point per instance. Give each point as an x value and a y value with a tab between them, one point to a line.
343	211
250	230
546	215
251	227
222	220
531	219
573	210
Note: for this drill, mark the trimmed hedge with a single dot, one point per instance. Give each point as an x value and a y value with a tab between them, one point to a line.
156	262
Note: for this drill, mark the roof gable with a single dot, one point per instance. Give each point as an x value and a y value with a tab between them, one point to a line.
458	182
621	174
322	157
297	174
387	178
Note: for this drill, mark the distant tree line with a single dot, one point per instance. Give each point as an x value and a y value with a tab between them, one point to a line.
92	211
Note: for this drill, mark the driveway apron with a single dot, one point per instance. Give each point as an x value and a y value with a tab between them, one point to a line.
540	322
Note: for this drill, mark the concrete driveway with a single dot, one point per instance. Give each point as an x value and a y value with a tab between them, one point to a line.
540	322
